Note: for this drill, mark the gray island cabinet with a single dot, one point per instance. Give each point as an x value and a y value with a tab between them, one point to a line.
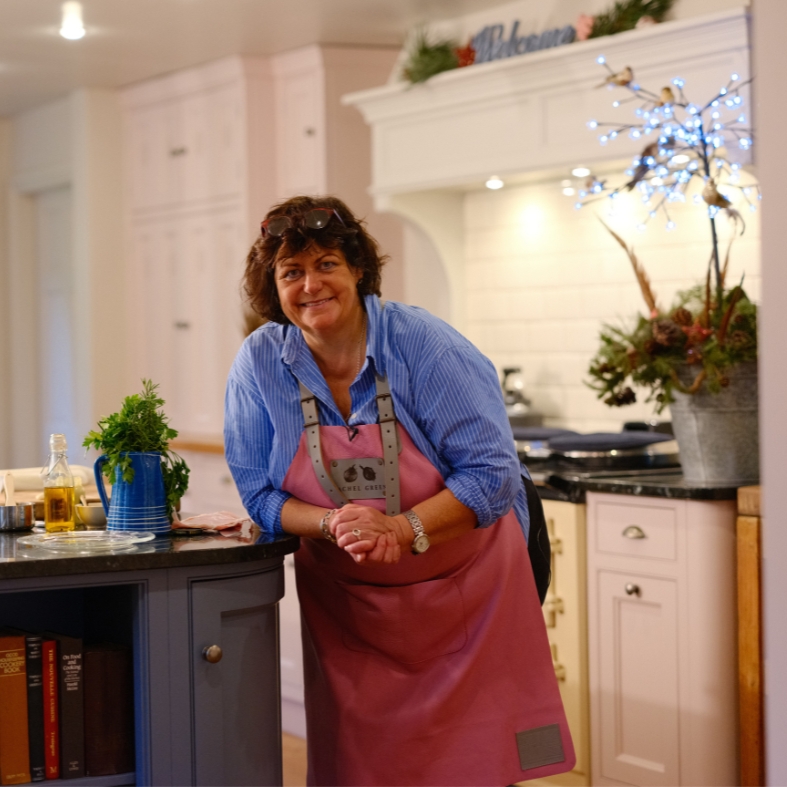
201	616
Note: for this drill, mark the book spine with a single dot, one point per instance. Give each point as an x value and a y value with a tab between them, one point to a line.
51	710
109	710
14	751
35	706
72	715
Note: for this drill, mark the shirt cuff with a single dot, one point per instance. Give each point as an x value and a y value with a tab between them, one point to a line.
270	512
469	492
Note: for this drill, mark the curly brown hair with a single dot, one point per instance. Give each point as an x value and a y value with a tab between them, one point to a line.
359	248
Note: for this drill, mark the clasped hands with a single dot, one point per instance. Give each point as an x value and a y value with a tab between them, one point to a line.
381	538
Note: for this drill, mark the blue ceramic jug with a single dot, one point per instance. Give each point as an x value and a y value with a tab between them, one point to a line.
141	504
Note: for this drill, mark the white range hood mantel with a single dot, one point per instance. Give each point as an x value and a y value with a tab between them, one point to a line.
529	113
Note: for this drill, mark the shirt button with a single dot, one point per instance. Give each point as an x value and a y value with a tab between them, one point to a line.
353	415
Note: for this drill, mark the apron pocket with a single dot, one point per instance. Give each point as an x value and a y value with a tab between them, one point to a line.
409	623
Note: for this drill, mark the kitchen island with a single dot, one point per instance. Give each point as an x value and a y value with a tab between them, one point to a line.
197	721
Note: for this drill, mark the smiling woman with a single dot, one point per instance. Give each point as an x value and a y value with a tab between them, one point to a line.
378	434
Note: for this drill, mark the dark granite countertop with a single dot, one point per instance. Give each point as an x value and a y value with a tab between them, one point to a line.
572	487
166	551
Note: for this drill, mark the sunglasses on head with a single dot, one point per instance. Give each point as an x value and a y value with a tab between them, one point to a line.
314	219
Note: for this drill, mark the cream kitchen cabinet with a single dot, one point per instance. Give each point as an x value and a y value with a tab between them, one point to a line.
661	616
565	614
208	151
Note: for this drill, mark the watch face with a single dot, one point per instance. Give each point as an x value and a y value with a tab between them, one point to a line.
421	544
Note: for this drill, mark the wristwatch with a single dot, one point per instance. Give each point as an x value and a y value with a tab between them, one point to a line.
421	540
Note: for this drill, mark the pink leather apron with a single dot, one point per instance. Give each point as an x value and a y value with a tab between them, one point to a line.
433	671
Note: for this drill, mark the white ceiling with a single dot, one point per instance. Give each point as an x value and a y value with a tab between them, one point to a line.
131	40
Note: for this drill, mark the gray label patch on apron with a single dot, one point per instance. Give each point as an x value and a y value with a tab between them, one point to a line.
540	746
359	479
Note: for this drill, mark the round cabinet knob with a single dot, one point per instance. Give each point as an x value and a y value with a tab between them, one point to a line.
212	654
631	590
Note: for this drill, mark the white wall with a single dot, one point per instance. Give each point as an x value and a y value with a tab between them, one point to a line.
770	63
542	277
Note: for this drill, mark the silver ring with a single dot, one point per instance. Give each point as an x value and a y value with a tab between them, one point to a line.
357	533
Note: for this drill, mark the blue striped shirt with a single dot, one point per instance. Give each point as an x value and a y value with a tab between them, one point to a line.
446	395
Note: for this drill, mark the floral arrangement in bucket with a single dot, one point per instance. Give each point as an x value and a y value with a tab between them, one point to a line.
706	343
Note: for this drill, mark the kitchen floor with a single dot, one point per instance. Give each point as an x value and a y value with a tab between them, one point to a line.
293	760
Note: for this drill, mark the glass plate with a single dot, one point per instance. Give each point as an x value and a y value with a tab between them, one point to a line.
85	541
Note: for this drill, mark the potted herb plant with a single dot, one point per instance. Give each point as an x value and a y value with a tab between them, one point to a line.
148	478
700	356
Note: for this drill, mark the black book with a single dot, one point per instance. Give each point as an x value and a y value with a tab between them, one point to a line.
35	703
72	712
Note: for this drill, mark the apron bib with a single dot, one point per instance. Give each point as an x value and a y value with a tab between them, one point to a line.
432	671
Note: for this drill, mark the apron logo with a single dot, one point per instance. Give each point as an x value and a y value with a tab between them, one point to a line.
359	478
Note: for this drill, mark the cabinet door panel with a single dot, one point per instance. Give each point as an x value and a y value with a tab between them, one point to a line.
237	729
226	142
299	142
638	662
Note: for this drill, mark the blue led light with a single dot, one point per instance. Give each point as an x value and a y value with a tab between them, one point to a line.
678	82
670	226
592	124
734	77
601	60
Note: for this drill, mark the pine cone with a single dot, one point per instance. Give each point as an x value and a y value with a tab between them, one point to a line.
682	316
724	381
621	398
739	339
693	355
633	357
666	333
651	347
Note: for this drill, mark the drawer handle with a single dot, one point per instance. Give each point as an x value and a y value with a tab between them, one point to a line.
633	531
212	654
633	590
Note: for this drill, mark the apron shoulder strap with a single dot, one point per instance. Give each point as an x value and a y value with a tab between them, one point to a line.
311	425
390	440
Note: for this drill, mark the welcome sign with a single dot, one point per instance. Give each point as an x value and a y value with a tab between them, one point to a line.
492	44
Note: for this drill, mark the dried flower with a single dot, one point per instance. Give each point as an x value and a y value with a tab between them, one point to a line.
724	381
696	334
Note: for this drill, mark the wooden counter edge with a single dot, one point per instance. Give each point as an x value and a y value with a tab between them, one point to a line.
749	501
200	446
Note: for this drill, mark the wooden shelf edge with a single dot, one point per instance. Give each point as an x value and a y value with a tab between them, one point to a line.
113	780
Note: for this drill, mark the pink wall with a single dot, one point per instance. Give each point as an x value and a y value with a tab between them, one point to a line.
769	66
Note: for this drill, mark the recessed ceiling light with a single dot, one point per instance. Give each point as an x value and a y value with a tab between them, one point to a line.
71	26
566	183
568	191
681	158
580	172
494	183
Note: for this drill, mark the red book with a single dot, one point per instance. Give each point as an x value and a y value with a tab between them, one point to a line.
51	714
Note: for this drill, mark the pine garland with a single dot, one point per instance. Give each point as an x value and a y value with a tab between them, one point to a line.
625	14
428	59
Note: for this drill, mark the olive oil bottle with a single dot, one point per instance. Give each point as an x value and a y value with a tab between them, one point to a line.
58	488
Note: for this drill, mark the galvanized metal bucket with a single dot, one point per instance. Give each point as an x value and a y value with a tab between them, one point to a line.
718	434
